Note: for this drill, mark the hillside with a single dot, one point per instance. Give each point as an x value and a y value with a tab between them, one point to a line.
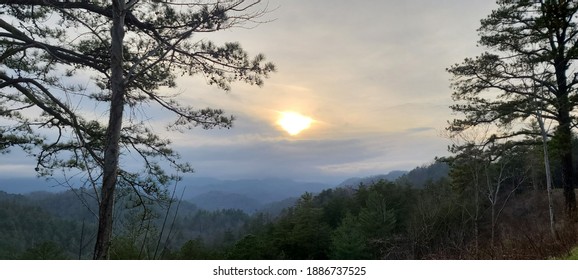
353	182
415	178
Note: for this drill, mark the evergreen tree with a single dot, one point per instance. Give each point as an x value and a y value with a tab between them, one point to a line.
132	50
252	247
348	241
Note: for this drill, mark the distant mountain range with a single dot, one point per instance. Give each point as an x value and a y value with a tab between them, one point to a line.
247	195
262	190
254	195
250	195
207	193
26	185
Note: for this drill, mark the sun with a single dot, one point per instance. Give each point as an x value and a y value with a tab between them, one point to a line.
294	123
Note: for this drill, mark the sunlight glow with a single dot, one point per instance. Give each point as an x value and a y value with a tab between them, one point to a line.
294	123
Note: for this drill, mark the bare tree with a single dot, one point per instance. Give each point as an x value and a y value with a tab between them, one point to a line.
469	164
502	176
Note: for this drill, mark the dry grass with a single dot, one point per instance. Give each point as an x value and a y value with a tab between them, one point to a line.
524	231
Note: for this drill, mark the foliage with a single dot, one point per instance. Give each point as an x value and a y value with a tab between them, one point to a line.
124	248
421	176
380	221
348	241
342	223
30	220
29	230
196	250
251	247
44	251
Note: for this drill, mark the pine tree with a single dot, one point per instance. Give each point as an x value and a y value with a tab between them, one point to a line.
58	56
531	45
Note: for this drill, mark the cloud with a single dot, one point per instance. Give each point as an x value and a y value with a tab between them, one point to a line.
371	74
282	158
16	170
254	151
419	129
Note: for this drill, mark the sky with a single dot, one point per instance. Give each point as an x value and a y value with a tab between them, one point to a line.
371	75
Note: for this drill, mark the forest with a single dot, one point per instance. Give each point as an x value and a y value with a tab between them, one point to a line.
432	212
83	85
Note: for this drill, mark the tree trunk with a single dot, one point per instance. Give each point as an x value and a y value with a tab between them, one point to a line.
477	211
111	152
564	131
548	173
564	135
567	169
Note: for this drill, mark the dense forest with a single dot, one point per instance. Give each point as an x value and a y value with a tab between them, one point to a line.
441	215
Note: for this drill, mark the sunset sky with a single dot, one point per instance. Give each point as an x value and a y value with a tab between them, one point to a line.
370	74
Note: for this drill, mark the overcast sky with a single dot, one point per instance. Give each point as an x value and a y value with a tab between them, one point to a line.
370	73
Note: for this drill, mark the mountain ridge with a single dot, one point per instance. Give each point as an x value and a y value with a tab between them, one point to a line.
392	176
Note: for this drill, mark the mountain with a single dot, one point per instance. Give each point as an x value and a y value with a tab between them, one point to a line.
36	221
17	185
274	209
216	200
249	193
420	176
25	225
416	178
264	190
354	182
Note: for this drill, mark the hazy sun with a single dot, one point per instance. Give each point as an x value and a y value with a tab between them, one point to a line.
293	122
